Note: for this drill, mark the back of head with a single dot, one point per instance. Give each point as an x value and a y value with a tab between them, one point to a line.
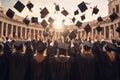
109	47
87	46
40	47
18	45
63	47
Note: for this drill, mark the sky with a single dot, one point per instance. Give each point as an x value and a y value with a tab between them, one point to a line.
69	5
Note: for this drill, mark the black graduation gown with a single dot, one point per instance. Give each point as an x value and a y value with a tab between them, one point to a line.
7	53
109	68
3	69
85	67
97	51
17	66
28	57
72	51
59	68
39	70
118	59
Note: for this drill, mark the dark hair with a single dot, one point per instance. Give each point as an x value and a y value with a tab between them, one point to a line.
107	48
87	45
62	51
87	48
19	47
40	47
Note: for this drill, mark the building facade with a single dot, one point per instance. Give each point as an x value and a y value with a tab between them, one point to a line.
16	27
108	26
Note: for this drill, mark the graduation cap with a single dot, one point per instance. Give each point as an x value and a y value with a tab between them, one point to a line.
87	28
78	24
83	17
87	45
10	13
51	20
113	41
19	6
118	29
7	47
44	12
18	45
30	6
95	10
98	28
99	19
34	19
76	12
110	47
72	35
82	6
63	46
113	16
118	42
57	8
26	20
40	46
44	23
73	19
64	12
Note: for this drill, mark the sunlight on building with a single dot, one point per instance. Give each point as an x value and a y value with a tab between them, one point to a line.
58	24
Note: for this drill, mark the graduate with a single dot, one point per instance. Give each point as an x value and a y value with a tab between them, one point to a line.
60	64
97	51
52	48
85	65
7	50
109	63
28	57
117	42
17	62
39	63
3	69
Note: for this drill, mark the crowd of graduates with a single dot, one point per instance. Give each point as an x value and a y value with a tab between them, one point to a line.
59	59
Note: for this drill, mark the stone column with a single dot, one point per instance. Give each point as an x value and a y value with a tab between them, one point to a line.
117	34
114	27
104	32
38	34
21	36
33	34
92	33
16	31
6	33
2	28
25	33
109	32
11	29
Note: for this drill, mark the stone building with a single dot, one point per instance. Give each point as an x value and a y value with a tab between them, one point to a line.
108	26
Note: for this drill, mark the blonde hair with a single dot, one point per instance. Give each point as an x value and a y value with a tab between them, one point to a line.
40	57
111	56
